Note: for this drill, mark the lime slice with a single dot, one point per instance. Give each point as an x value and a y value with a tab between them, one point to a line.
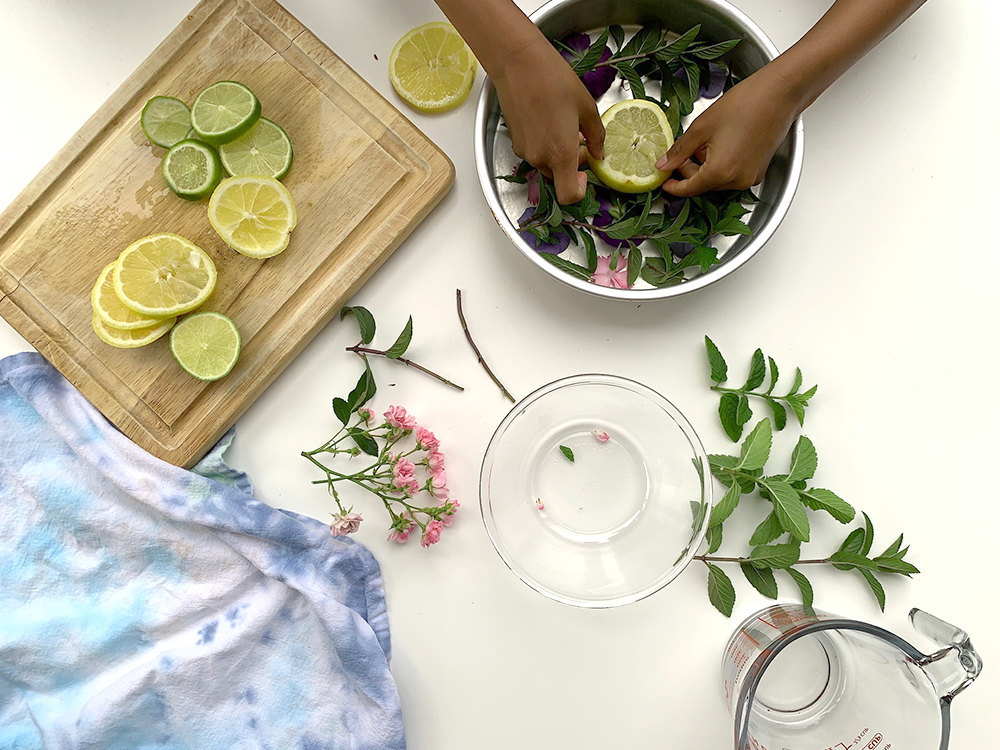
253	215
163	275
636	134
192	169
110	309
263	150
432	68
206	345
223	112
132	338
165	120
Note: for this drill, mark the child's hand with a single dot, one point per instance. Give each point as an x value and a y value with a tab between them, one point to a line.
732	141
546	109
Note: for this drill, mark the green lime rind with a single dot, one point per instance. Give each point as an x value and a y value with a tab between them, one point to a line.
224	111
165	121
264	150
206	345
192	169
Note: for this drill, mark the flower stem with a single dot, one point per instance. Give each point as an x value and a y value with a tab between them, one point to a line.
359	350
479	356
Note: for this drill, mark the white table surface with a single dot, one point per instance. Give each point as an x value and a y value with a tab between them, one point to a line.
881	284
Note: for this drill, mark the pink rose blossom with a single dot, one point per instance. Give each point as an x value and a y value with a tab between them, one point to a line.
426	439
402	476
400	530
451	508
617	279
397	417
438	485
600	436
345	524
432	533
435	461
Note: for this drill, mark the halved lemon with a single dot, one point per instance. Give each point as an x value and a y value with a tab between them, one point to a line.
163	275
110	309
254	215
432	68
132	338
636	134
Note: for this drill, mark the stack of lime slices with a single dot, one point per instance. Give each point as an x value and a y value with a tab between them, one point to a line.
223	132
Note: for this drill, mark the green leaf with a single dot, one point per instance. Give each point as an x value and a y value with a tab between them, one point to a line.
592	56
876	587
634	267
894	565
716	362
852	560
789	508
568	453
725	507
866	547
774	555
818	498
396	350
798	407
617	34
743	411
633	79
773	369
805	588
796	383
712	51
804	462
768	530
729	404
714	538
342	410
364	441
758	370
591	250
761	579
756	448
778	413
366	322
720	590
568	266
893	548
363	391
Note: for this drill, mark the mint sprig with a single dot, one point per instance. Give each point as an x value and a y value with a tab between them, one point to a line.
734	403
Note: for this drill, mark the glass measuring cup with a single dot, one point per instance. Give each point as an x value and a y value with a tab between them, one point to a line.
796	678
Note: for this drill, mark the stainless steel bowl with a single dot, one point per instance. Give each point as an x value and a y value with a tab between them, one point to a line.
719	21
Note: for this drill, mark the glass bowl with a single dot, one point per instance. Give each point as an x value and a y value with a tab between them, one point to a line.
719	20
617	522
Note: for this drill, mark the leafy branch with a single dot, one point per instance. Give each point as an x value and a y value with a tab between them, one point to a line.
366	324
734	403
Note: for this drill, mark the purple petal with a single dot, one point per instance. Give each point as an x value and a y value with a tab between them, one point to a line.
681	249
561	238
716	81
576	42
674	205
601	219
597	81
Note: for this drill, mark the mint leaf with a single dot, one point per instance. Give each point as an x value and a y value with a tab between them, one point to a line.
804	461
852	560
714	539
778	412
774	555
768	530
866	546
796	383
743	412
875	586
366	321
818	498
758	369
568	453
788	508
720	590
894	565
756	448
761	579
805	588
893	548
773	369
728	406
397	349
725	507
716	362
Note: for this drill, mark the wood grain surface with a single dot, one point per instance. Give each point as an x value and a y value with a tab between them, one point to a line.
362	178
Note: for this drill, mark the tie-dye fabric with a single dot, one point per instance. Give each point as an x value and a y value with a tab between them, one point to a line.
145	606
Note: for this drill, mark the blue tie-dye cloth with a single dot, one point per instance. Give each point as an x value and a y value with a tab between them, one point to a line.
145	606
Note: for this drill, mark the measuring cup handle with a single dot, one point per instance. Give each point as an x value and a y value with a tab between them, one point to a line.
953	667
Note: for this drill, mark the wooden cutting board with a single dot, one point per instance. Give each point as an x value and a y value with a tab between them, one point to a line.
362	178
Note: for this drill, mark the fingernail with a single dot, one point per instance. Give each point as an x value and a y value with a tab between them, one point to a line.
661	162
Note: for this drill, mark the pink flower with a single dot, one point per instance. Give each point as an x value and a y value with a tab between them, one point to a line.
617	279
438	485
366	414
400	530
540	504
432	533
450	509
426	439
600	436
345	524
402	475
398	418
435	461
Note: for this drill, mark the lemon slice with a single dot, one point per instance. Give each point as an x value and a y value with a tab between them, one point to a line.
132	338
636	134
432	68
253	215
265	149
163	275
206	345
110	309
223	112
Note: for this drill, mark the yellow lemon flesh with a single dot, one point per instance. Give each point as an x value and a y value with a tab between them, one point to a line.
637	133
432	68
132	338
163	275
253	215
110	309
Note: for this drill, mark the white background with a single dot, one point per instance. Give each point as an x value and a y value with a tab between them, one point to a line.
881	284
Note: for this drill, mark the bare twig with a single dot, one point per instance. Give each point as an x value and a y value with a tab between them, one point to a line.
359	350
468	336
